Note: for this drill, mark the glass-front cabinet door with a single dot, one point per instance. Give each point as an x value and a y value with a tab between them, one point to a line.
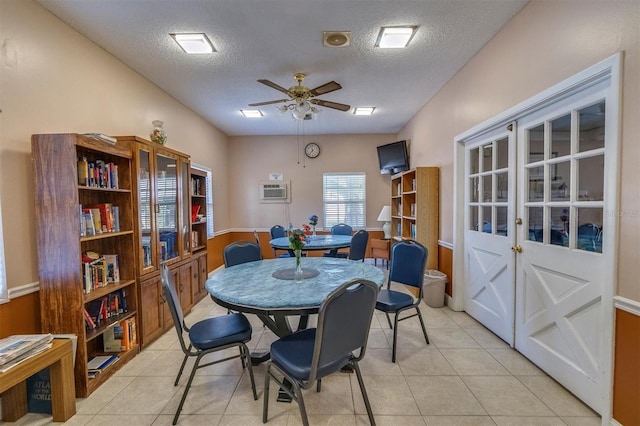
145	210
167	206
185	218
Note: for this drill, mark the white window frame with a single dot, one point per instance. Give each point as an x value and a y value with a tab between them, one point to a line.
209	193
330	219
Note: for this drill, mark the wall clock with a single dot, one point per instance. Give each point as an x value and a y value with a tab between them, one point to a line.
312	150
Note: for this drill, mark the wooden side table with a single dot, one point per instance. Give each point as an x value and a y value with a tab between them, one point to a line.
380	250
13	383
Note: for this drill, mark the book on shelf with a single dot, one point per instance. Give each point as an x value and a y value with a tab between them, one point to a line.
194	239
88	321
99	174
115	216
100	362
87	223
104	215
112	268
195	208
115	338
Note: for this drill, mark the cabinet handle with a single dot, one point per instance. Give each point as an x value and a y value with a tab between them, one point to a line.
181	287
195	276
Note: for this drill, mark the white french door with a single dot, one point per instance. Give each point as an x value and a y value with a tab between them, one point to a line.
489	233
540	183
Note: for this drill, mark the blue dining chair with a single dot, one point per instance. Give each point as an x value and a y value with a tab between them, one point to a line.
241	252
358	249
206	336
306	356
278	231
408	260
339	229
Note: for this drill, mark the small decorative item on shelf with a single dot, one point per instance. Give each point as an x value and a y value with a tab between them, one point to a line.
313	221
296	242
158	134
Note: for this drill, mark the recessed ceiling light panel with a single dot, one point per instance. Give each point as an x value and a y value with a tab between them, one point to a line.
194	43
363	110
251	113
336	38
395	37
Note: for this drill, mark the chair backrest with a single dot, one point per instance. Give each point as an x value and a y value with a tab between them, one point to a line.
241	252
277	231
257	237
408	260
173	301
344	321
341	229
358	248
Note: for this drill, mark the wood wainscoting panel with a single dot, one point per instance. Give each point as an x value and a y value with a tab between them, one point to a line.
20	315
626	375
215	246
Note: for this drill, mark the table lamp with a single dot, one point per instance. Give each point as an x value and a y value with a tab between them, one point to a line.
385	216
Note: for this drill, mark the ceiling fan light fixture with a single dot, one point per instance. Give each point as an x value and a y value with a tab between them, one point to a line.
194	43
363	110
395	37
336	38
251	113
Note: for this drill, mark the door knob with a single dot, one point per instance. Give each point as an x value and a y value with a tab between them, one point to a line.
518	221
516	249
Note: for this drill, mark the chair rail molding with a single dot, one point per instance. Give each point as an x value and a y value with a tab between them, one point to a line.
628	305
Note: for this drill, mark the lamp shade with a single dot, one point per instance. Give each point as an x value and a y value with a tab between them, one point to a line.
385	214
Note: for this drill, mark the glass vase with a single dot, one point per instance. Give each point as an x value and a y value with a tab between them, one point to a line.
314	232
298	274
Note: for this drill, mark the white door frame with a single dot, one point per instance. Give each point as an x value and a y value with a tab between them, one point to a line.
611	69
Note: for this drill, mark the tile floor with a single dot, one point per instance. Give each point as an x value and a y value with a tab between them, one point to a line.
466	376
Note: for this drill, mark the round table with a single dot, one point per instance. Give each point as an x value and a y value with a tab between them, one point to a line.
319	242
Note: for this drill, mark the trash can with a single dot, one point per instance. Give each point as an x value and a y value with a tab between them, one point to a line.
433	288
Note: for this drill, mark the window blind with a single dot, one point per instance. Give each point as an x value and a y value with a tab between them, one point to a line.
344	199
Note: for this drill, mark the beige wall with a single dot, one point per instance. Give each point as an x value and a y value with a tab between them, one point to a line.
547	42
252	158
54	80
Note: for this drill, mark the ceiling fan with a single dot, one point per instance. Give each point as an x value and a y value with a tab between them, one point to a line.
303	96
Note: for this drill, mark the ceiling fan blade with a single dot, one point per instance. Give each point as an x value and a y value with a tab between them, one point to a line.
270	102
329	104
273	86
331	86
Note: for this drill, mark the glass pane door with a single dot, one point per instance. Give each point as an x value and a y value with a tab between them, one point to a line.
185	217
166	207
144	209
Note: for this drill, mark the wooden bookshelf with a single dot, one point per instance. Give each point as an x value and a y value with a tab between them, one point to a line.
63	293
415	209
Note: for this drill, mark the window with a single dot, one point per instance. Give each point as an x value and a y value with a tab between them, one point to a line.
344	199
3	272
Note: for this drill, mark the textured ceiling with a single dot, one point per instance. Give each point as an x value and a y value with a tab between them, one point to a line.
273	39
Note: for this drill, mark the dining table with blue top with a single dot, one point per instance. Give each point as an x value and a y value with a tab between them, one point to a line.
318	242
268	289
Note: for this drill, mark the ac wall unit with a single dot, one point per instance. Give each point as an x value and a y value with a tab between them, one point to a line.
275	192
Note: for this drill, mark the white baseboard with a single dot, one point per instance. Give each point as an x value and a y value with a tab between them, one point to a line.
628	305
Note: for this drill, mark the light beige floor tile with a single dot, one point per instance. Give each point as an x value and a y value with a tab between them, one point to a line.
527	421
144	395
103	395
362	420
252	420
208	395
335	397
436	318
388	395
515	362
505	396
377	339
473	362
462	319
242	401
323	420
268	337
122	419
451	338
165	341
408	337
141	362
486	338
188	420
377	362
423	362
459	421
443	395
560	400
232	367
168	364
35	419
582	421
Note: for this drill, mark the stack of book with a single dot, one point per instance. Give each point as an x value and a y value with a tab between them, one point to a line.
18	348
96	365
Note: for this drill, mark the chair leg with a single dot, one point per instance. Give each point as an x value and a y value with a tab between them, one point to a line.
367	405
395	336
184	362
265	405
388	320
318	385
300	401
424	330
246	359
242	357
186	389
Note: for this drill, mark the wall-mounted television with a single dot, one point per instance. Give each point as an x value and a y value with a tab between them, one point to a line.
393	157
